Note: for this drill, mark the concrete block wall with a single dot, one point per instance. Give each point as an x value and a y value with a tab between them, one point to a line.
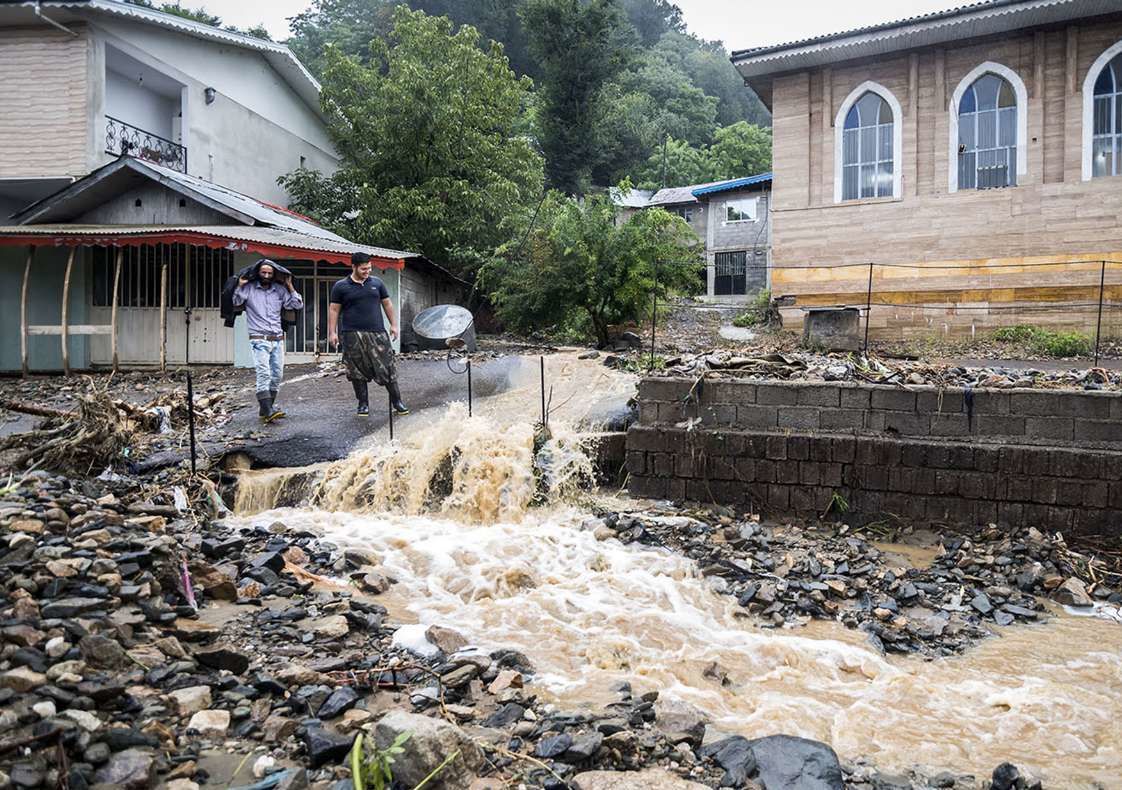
1017	415
789	448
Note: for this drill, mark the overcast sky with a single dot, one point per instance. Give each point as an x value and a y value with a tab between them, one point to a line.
739	23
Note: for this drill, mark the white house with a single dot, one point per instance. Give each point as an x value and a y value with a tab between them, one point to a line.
209	120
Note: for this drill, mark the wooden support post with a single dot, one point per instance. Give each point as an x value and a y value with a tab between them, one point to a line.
66	312
23	311
116	304
163	317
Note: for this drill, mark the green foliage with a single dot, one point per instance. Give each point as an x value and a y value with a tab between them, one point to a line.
579	45
740	150
372	767
1046	342
201	15
578	259
707	65
428	131
757	313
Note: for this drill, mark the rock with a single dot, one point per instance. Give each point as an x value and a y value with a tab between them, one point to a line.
294	779
23	635
71	607
214	582
735	755
331	627
57	647
120	738
223	658
26	775
171	647
785	762
506	679
584	747
1072	593
66	669
84	719
264	765
340	700
210	723
353	719
22	679
431	742
132	769
325	747
649	779
181	784
191	699
553	746
298	675
593	354
982	603
30	525
375	582
278	728
460	676
680	722
45	709
194	630
445	640
97	753
1006	776
102	652
505	716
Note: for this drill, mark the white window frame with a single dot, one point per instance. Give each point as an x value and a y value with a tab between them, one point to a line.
1089	106
753	214
1020	93
897	138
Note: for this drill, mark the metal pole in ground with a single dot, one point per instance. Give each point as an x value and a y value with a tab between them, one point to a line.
868	307
190	388
1099	325
541	360
469	387
654	320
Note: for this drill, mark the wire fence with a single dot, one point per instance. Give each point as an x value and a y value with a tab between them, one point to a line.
1081	294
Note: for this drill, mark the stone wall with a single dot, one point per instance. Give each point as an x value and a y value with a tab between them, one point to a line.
888	453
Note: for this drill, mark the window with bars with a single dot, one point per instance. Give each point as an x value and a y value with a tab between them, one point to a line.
1106	135
867	155
987	134
195	275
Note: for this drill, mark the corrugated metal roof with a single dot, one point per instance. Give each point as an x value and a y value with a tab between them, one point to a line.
992	17
232	237
676	195
736	183
279	56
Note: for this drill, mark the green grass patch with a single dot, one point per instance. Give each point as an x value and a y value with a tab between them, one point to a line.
758	312
1046	342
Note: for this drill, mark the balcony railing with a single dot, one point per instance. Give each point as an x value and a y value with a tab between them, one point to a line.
124	139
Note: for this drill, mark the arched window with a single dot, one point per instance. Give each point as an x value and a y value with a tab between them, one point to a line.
987	134
867	149
1106	132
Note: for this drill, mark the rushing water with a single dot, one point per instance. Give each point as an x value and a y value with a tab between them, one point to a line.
468	551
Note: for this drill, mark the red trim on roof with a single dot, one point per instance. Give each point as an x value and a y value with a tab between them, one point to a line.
193	239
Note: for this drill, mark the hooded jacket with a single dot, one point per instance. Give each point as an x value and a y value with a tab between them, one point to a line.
230	312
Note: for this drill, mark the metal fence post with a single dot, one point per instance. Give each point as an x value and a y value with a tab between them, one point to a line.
868	307
654	320
1099	324
469	386
541	361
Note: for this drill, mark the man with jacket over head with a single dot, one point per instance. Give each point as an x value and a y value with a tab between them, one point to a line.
354	316
264	299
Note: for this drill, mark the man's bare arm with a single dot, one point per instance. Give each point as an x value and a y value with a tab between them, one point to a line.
333	323
387	305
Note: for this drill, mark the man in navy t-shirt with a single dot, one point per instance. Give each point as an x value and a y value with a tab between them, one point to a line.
355	316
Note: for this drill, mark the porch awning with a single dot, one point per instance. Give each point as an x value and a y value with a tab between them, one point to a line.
265	241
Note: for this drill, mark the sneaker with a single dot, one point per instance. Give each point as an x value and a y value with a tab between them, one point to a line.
363	410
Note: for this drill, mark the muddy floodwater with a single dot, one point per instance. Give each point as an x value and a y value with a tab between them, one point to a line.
590	612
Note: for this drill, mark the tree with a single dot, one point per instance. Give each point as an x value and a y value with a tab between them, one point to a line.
203	16
741	149
676	164
707	65
432	161
579	262
653	18
348	25
580	45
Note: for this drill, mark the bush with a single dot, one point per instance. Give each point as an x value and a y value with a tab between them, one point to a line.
758	312
1046	342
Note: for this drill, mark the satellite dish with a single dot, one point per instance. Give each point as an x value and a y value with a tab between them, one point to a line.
445	326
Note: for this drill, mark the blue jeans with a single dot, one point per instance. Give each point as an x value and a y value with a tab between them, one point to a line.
268	361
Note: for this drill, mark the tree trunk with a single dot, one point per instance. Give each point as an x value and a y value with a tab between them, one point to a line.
601	328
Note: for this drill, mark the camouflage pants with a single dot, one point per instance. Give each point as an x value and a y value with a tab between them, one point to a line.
369	357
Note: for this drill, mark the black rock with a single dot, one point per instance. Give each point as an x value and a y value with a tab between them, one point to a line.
65	608
101	691
102	652
342	699
1006	777
785	762
119	738
29	657
982	603
584	747
273	560
553	746
735	755
325	747
223	658
266	684
907	591
505	716
26	775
